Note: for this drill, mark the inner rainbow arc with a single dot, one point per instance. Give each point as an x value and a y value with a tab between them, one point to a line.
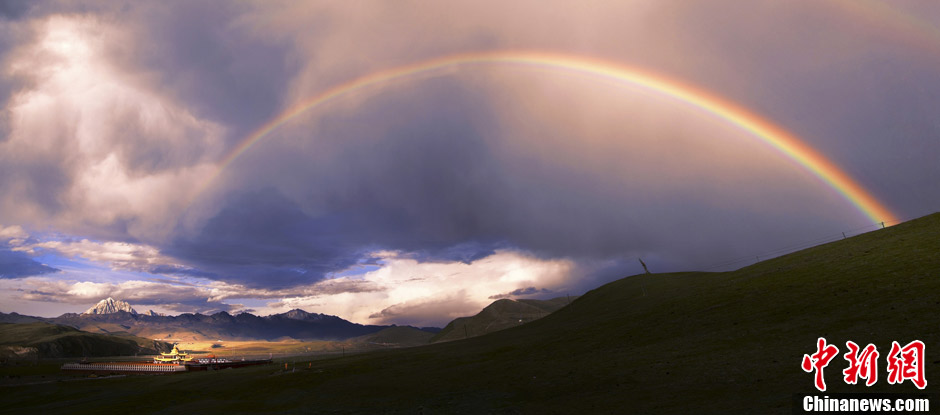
776	137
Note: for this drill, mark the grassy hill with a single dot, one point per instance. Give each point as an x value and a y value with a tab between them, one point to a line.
500	315
663	343
51	341
396	336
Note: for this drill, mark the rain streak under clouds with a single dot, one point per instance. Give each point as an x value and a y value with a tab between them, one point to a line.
422	198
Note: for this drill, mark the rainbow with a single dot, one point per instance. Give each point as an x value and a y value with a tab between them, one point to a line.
779	139
913	28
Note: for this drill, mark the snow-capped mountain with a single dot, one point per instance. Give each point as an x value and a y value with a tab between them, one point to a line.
110	306
298	314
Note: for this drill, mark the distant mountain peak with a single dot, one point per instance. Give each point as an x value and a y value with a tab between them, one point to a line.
298	314
110	306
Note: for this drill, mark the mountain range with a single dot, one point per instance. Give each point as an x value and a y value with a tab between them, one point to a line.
111	316
116	317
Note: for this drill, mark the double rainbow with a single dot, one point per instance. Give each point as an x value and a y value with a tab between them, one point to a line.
779	139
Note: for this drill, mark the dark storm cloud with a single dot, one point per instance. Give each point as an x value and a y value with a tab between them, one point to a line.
417	173
18	265
206	55
465	252
895	133
858	87
425	180
180	271
264	239
14	9
11	34
420	188
35	180
374	193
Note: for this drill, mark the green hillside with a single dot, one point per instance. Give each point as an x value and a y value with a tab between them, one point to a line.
395	336
500	315
663	343
51	341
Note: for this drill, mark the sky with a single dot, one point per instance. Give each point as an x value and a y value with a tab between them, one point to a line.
410	162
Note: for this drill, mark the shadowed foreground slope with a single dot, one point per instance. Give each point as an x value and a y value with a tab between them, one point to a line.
693	343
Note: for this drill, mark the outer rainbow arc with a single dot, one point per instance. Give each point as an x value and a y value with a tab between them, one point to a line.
772	135
902	22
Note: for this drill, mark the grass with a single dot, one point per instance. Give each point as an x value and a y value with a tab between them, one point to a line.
726	342
262	348
50	340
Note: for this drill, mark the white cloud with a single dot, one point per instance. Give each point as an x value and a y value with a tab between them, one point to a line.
118	255
13	235
162	296
402	291
434	293
96	145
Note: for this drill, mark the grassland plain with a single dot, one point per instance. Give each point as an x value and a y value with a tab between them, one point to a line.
693	342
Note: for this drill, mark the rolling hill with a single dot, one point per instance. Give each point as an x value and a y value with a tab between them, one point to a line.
52	341
500	315
678	343
396	336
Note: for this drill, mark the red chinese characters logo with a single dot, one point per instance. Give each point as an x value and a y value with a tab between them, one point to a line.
903	363
819	360
862	364
907	363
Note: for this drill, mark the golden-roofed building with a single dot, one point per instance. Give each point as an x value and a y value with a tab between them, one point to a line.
174	356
